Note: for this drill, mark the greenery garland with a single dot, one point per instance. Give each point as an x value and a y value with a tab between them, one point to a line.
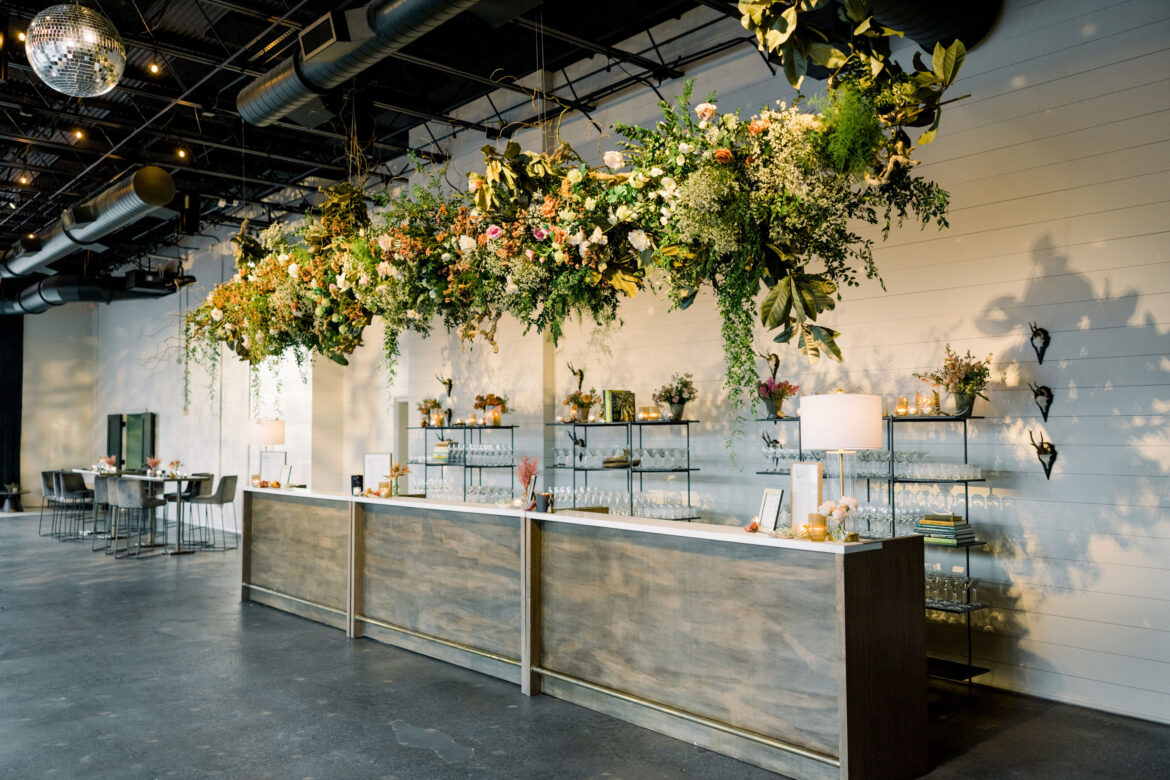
708	199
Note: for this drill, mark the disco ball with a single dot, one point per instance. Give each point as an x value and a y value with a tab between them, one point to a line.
75	50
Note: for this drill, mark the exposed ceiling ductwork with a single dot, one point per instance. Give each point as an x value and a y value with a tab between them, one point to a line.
81	226
59	290
337	47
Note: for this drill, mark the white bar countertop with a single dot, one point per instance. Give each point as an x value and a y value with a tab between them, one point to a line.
718	533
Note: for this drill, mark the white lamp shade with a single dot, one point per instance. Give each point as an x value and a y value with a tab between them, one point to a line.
266	432
841	421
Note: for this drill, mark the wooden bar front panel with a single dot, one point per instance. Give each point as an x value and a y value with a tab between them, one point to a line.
299	547
454	575
739	634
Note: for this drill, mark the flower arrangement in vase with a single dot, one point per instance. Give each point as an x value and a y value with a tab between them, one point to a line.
526	473
152	465
173	466
492	406
774	393
837	512
397	471
963	376
677	394
426	407
579	403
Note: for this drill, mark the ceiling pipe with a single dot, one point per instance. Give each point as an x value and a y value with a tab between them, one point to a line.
127	201
60	290
343	45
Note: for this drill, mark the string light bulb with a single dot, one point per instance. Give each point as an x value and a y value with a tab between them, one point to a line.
154	68
23	179
79	134
20	36
182	153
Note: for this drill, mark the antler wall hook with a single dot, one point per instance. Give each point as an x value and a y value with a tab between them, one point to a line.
580	374
773	361
1046	452
447	382
1042	395
1040	341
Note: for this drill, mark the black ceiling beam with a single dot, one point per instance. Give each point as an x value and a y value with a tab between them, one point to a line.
660	71
490	132
508	85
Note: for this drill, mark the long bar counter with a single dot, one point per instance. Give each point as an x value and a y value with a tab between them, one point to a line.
802	657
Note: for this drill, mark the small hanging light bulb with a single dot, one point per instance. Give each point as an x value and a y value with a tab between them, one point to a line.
154	68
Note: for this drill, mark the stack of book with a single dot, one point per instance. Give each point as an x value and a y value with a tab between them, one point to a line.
945	530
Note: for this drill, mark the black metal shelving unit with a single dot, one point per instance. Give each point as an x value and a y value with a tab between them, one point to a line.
629	469
472	474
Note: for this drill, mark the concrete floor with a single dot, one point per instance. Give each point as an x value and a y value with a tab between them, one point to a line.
154	668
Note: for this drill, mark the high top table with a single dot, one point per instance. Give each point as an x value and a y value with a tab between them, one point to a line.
802	657
164	481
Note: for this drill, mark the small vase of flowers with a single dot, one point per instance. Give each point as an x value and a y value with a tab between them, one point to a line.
426	407
677	394
397	471
493	406
964	377
526	472
773	394
579	403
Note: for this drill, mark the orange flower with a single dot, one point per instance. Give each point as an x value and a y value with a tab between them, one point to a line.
723	156
758	126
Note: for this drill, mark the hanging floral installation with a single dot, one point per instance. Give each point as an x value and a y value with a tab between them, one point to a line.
763	211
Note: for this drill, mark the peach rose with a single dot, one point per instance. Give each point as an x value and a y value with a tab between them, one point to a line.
723	156
758	126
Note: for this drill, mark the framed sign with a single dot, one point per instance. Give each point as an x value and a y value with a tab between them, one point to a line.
271	461
770	507
376	469
286	476
806	492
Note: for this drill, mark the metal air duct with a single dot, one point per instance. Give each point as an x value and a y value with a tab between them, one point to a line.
125	202
59	290
338	47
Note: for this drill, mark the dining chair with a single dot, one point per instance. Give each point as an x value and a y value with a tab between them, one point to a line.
101	509
198	485
138	516
49	501
225	494
78	498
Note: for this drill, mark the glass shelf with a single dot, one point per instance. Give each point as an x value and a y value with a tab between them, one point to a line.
956	607
462	427
953	670
959	546
930	418
785	418
642	423
914	481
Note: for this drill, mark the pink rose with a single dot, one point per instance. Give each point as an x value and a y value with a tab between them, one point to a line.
539	233
529	254
493	232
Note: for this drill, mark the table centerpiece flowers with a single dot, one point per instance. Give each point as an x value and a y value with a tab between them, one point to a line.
526	473
677	394
492	406
580	403
774	393
426	407
963	376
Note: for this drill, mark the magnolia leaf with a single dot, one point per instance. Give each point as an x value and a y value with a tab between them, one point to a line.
686	301
812	5
776	308
799	312
827	56
340	359
827	338
927	137
863	26
785	336
795	64
808	344
626	283
945	62
855	10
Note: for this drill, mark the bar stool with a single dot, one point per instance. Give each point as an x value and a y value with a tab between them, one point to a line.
101	503
49	500
75	499
137	513
197	485
225	493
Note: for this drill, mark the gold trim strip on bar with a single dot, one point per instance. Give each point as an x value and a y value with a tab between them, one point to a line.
438	640
306	602
688	716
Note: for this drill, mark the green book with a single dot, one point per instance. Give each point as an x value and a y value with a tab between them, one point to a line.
617	406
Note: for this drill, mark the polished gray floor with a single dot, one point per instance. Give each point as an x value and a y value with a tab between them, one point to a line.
125	669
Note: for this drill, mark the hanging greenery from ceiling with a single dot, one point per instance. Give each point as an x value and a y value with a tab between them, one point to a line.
704	199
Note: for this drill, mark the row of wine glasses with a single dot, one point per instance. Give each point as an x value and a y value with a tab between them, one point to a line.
483	494
484	454
618	502
647	458
782	458
950	590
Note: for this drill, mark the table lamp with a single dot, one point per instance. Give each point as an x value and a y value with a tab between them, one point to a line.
266	432
841	423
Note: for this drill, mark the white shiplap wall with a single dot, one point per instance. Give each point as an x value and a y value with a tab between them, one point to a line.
1057	165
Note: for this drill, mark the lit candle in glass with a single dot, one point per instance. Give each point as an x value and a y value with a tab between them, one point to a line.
437	419
903	407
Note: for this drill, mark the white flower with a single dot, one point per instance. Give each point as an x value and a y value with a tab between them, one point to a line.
364	280
575	176
411	314
590	204
294	271
638	180
216	315
445	257
826	508
342	282
686	148
384	268
613	159
639	240
706	111
576	238
656	171
730	120
467	244
703	125
680	160
282	257
669	184
624	213
433	294
384	242
512	288
597	237
849	501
